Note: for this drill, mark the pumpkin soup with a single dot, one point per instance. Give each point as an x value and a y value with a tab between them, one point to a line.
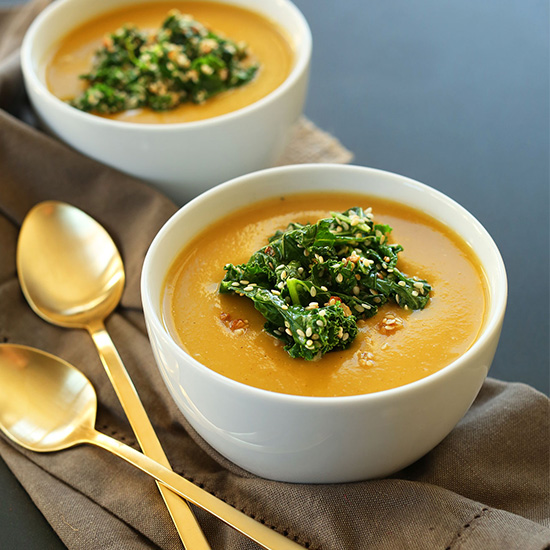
394	347
206	60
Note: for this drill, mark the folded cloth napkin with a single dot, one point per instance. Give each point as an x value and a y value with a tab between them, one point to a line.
486	486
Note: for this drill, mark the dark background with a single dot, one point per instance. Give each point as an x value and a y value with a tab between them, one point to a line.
454	94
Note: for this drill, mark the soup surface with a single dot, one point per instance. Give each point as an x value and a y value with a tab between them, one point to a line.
267	43
382	356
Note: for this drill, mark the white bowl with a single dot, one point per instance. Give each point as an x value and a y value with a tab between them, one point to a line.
182	159
320	439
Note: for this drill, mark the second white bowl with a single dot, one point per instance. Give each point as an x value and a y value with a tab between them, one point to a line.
182	159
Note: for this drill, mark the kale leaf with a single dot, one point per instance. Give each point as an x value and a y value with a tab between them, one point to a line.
183	62
313	282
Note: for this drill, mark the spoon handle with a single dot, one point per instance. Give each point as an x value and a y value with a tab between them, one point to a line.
261	534
186	524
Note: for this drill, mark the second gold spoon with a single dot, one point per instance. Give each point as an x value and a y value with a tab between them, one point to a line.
72	275
47	405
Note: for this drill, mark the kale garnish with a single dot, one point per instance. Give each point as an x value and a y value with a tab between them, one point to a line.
184	61
313	282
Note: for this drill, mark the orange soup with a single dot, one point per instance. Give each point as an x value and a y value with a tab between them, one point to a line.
382	356
267	43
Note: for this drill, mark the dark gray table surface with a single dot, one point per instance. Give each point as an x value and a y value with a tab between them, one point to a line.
454	94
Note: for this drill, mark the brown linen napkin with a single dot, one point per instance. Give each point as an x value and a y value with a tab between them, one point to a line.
486	486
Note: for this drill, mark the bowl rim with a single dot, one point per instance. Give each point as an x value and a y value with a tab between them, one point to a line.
490	329
301	66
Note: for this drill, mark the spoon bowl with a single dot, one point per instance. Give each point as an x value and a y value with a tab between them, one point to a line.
77	245
46	404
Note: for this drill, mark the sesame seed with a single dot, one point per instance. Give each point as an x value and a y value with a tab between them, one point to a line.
287	324
243	282
288	331
283	275
235	284
277	332
306	253
366	306
281	285
301	333
320	323
300	270
345	337
309	343
315	337
285	307
248	288
356	290
339	278
324	288
313	291
359	308
322	313
418	285
402	283
414	293
276	292
309	332
397	298
377	300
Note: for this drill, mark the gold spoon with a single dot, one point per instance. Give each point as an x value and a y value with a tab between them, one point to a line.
46	404
72	275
